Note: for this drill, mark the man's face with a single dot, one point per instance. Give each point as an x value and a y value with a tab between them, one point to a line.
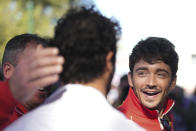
151	82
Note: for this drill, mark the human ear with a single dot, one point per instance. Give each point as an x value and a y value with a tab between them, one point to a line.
173	83
109	65
130	79
8	70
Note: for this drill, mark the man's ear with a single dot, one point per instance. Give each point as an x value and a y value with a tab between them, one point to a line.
130	79
109	64
8	70
173	83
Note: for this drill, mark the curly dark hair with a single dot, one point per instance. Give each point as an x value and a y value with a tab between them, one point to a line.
152	49
84	38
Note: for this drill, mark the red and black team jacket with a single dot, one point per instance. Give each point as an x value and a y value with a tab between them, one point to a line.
10	109
146	118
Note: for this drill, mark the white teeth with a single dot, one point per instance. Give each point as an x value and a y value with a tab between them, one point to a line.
151	93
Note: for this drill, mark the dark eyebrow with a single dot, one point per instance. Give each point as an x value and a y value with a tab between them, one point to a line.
141	68
158	70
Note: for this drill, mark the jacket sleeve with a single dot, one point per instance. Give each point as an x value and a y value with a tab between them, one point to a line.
7	104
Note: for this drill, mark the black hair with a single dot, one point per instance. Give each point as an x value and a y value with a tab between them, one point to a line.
152	49
17	44
84	38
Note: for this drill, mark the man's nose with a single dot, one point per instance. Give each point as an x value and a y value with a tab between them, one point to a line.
151	81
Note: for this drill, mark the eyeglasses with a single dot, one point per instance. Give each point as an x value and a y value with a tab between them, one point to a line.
166	123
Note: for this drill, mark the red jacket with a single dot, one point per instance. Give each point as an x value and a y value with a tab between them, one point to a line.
148	119
10	109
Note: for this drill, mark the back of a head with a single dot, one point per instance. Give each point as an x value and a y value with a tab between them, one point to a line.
84	38
153	49
17	44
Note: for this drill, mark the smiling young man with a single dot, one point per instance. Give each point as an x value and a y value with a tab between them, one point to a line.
153	65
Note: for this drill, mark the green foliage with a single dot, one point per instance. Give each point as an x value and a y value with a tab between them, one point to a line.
32	16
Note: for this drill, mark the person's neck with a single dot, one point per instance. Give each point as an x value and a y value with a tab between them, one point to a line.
98	84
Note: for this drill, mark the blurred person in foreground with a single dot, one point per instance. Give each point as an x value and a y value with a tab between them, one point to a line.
87	40
27	69
153	65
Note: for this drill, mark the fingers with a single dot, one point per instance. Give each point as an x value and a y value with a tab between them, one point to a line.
47	61
40	51
45	71
44	57
44	82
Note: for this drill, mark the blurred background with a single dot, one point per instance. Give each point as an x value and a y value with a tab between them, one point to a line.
172	19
